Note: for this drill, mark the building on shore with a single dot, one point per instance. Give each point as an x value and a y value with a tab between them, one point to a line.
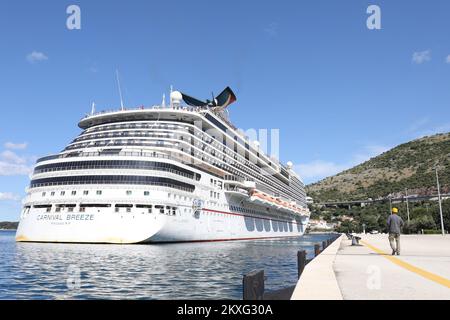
315	225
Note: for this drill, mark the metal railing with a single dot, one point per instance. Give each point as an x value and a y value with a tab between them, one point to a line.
56	169
99	182
104	154
235	189
143	108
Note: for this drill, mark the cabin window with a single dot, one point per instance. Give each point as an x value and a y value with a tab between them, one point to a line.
145	206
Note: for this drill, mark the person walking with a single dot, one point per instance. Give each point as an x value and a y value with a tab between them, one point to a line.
394	226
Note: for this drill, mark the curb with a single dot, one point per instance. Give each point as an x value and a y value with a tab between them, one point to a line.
318	280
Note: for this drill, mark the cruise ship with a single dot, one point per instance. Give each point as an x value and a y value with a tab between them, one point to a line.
179	172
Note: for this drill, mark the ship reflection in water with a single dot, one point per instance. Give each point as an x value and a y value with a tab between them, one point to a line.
168	271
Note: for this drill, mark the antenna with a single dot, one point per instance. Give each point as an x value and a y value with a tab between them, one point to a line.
163	104
93	108
120	91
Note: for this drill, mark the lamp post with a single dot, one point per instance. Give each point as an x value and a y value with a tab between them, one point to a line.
439	198
407	205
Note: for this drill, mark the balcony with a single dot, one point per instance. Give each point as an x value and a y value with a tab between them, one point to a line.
236	191
238	182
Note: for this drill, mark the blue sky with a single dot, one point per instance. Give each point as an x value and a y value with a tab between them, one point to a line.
338	92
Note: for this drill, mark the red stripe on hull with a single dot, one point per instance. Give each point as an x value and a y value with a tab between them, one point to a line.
243	215
222	240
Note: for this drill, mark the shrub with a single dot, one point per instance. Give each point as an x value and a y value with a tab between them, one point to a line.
432	231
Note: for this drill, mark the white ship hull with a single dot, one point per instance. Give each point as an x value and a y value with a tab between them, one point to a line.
142	227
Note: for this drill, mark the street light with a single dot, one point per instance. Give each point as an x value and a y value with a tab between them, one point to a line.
390	204
439	198
407	205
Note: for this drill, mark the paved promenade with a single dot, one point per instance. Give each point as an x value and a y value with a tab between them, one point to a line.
370	272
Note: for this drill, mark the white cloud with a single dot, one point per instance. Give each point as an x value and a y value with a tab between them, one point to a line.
11	169
319	169
11	164
367	153
426	126
421	56
16	146
36	56
10	156
8	196
447	60
417	125
442	128
272	29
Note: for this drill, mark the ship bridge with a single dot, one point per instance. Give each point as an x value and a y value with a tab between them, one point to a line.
184	114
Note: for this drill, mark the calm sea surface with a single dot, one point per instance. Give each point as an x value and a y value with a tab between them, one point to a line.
211	270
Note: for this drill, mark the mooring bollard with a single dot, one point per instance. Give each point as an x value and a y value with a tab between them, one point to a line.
301	262
316	249
355	240
253	285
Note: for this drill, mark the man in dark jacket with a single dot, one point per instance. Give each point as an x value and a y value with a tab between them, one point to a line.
394	226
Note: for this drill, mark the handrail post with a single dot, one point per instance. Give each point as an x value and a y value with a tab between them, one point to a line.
316	249
253	285
301	262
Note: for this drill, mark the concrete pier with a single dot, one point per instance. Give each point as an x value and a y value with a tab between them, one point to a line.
370	272
318	280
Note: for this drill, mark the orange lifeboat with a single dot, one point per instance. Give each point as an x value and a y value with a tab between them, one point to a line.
270	200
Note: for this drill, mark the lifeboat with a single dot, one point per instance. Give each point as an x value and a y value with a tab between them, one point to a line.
265	199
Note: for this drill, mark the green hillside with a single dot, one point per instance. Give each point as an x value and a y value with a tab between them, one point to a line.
410	165
8	225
